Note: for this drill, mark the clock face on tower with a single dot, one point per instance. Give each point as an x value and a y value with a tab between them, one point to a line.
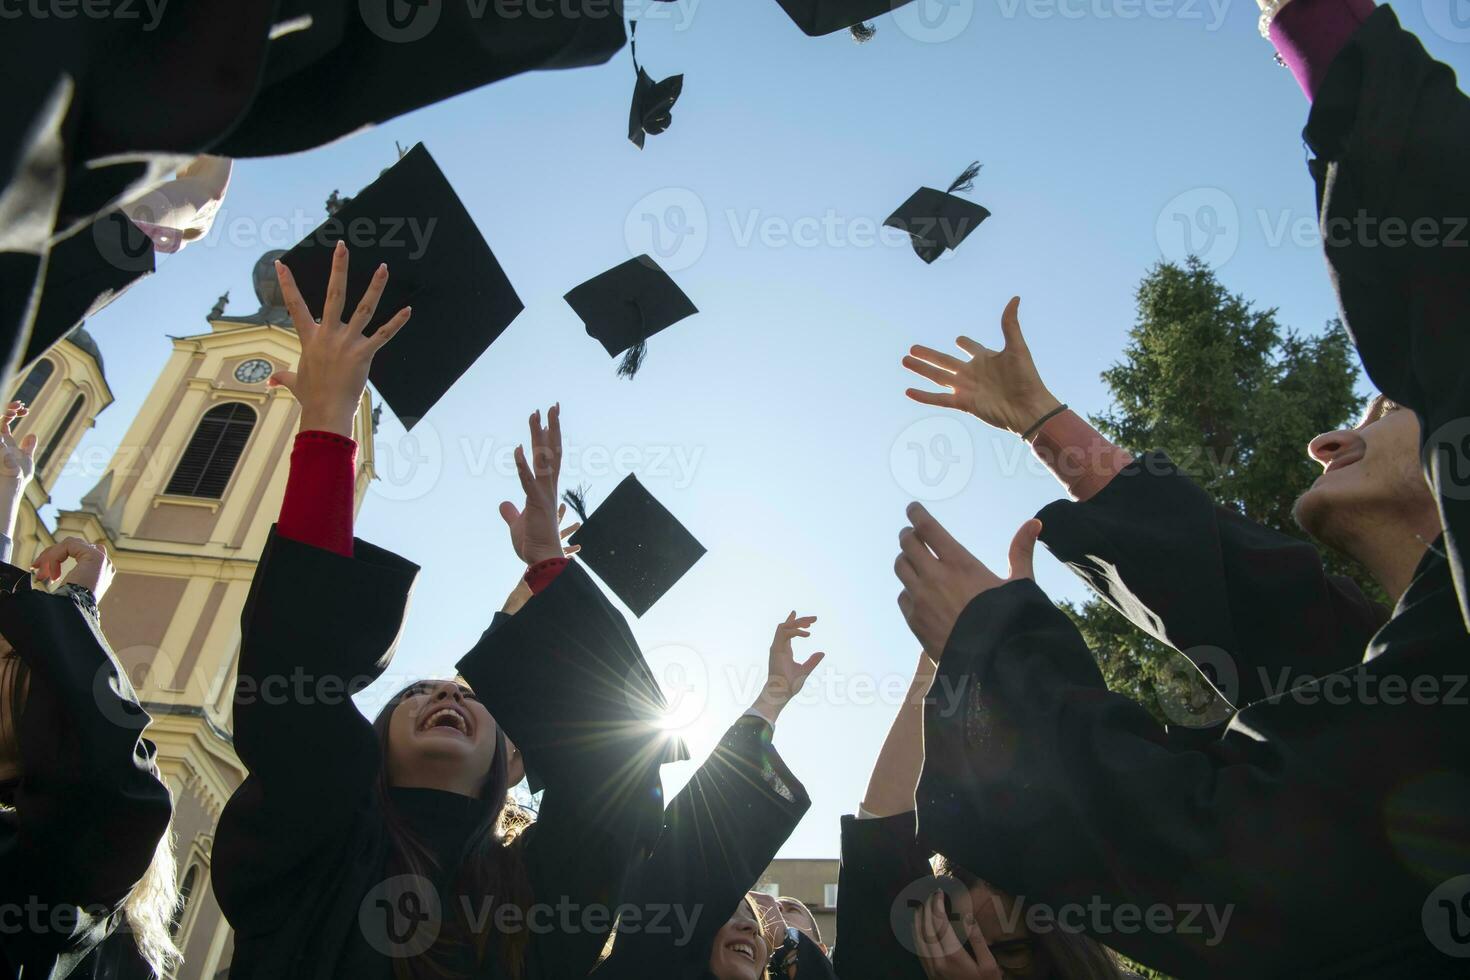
253	371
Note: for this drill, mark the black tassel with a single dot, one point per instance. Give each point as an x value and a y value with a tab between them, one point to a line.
633	360
577	501
862	33
966	180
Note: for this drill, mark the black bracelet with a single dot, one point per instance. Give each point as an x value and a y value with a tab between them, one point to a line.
1026	436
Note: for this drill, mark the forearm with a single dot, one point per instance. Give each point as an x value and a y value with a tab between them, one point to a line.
1079	456
900	760
10	498
320	492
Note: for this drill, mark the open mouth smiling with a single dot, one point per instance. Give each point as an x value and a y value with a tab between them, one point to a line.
742	948
448	716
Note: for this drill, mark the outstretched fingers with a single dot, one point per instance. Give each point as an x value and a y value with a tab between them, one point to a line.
368	305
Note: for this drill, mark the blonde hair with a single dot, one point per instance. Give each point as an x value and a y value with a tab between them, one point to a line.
152	905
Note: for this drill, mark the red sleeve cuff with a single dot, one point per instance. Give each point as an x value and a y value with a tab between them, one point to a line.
320	492
543	573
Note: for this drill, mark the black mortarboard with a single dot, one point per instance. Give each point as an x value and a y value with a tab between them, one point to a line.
438	263
818	17
653	102
634	544
937	220
626	305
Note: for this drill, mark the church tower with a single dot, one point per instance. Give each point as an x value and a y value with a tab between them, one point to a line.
184	507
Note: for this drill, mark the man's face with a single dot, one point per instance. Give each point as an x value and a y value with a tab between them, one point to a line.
1371	481
798	915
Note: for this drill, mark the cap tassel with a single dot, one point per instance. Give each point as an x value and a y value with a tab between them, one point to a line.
966	180
862	33
633	359
577	501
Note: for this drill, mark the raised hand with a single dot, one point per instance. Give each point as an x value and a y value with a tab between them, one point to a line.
17	459
785	677
940	576
521	594
1001	388
93	567
941	950
335	356
534	530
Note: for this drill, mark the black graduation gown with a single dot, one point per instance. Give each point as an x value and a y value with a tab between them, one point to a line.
101	109
882	862
1321	821
88	809
1325	818
809	961
1206	581
1391	137
302	843
720	834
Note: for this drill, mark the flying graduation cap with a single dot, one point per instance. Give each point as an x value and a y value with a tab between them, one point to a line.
653	102
937	220
626	305
438	262
818	17
633	543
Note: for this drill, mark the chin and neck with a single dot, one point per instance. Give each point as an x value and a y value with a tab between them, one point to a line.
1390	549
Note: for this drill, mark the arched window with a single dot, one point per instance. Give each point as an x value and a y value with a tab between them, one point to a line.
59	436
35	381
209	460
186	891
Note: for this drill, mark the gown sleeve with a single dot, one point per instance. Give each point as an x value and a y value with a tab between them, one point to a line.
89	807
1203	579
316	628
1390	134
565	680
720	834
881	859
1040	780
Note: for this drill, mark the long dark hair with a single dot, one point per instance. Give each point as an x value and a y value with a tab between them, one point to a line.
490	865
1069	955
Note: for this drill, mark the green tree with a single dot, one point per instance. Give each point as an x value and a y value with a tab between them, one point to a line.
1233	398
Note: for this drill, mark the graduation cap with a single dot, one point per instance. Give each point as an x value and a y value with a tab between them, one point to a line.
438	263
937	220
818	17
633	544
653	101
626	305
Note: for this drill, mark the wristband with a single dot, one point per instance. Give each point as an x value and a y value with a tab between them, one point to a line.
1035	426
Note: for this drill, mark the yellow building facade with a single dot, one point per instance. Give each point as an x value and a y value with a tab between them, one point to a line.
184	506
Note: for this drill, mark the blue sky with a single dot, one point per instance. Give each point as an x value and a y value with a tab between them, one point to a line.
1113	133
